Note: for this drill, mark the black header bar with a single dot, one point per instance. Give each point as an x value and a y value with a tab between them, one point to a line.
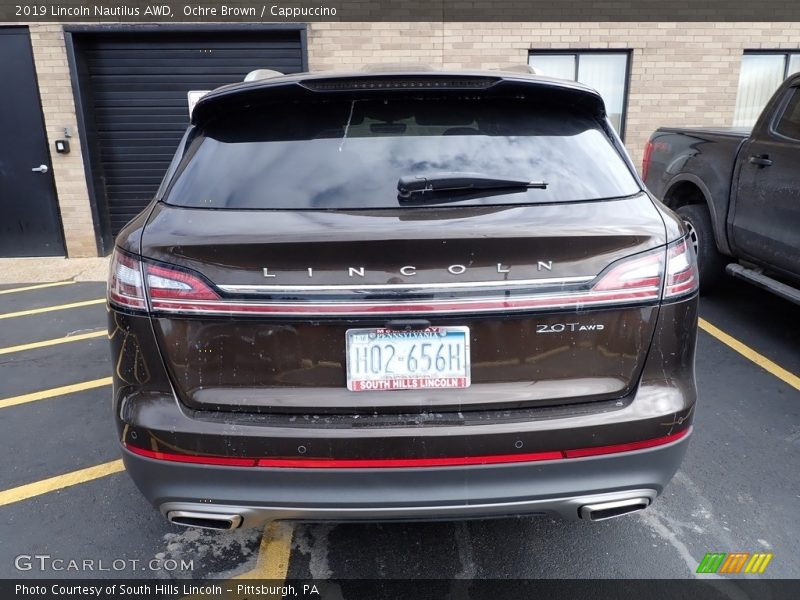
443	11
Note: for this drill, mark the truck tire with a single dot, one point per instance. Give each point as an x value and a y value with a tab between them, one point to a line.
710	261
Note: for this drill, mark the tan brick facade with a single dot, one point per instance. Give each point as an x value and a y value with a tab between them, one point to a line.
58	106
682	74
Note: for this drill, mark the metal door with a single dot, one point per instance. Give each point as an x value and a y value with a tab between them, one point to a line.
29	217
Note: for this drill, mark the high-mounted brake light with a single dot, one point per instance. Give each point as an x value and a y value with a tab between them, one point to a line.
682	275
399	83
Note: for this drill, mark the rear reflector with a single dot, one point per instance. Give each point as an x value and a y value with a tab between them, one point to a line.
630	446
393	463
194	459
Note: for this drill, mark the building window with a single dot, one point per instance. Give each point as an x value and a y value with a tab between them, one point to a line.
760	76
607	72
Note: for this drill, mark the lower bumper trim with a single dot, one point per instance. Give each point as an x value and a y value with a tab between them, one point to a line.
570	508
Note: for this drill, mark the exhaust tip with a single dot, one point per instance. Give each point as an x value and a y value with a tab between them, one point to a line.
201	520
609	510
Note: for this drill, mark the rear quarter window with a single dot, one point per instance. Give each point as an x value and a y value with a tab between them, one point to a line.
350	154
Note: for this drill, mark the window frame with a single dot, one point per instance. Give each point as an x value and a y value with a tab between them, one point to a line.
577	52
786	53
789	95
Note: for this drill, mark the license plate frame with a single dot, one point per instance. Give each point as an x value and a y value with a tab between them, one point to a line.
394	372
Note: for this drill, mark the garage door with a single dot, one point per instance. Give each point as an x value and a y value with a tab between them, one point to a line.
133	95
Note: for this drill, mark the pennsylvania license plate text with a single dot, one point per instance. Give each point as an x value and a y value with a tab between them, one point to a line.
384	359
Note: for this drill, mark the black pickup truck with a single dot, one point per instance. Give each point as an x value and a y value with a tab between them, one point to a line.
738	192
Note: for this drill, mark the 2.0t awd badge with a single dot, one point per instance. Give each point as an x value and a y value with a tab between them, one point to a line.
562	327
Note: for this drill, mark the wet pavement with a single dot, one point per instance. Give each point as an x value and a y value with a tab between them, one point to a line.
737	490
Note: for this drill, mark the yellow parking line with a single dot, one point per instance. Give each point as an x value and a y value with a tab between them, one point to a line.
53	392
37	311
273	558
750	354
54	342
37	488
274	552
38	286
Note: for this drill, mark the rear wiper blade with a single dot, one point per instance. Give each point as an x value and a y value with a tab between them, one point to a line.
432	183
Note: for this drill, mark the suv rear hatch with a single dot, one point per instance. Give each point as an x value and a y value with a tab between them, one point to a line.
282	229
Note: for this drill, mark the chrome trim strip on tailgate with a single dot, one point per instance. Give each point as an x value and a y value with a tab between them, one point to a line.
261	289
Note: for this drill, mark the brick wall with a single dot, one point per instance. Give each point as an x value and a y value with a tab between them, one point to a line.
55	89
682	74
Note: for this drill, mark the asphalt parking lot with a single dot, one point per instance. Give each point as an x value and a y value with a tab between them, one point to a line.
63	492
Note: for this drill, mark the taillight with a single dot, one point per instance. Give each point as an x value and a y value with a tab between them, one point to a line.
642	272
637	278
641	277
125	282
164	283
648	152
682	276
165	286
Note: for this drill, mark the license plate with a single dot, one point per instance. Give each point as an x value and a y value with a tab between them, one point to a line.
385	359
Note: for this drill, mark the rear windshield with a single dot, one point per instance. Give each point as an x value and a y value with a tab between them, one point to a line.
350	154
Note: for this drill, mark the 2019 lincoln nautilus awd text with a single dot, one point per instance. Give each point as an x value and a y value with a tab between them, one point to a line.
402	295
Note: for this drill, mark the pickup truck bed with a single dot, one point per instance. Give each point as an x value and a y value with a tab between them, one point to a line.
738	190
734	132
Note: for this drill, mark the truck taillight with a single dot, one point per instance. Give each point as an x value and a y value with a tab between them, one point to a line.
164	285
682	276
648	153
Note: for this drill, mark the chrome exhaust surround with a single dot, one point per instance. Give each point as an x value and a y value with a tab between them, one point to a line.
609	510
204	520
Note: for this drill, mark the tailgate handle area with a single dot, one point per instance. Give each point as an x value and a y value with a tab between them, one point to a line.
407	324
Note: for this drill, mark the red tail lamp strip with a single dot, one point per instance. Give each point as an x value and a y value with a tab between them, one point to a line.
591	298
173	290
393	463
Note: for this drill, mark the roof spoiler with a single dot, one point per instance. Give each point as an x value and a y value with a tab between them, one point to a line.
267	84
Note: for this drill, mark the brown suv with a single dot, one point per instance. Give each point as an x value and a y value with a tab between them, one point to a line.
402	295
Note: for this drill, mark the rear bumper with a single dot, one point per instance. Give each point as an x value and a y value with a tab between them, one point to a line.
556	487
149	416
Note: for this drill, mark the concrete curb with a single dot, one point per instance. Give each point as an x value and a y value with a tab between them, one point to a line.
46	270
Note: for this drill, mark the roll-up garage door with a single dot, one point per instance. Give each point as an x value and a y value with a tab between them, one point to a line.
133	90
